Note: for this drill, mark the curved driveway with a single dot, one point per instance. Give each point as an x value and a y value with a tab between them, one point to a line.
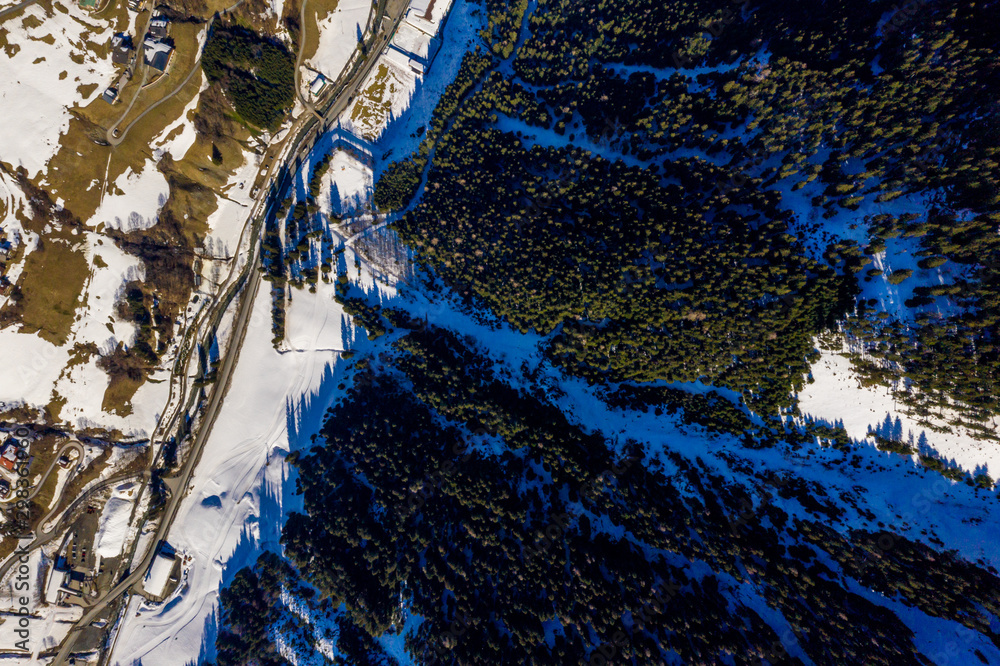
249	282
45	536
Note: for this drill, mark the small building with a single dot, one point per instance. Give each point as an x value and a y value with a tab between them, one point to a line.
158	27
8	457
110	95
160	571
73	581
58	578
157	54
417	40
121	49
318	85
4	488
137	5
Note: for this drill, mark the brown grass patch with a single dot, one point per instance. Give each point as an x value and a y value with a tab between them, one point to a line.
52	281
118	396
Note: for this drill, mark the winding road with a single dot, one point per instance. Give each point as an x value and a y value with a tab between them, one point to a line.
113	136
45	537
246	286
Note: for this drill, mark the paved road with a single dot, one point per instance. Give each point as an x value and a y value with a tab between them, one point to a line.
270	194
45	537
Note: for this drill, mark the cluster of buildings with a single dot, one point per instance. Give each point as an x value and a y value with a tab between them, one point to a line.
9	460
65	581
418	38
156	51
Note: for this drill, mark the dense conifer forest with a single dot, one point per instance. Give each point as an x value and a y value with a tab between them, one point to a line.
665	194
257	74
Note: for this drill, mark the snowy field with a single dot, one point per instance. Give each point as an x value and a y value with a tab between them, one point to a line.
235	504
837	396
338	38
41	80
403	101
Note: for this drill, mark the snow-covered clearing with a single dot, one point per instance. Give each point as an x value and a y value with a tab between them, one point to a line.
132	202
395	102
112	527
42	81
338	38
836	395
347	186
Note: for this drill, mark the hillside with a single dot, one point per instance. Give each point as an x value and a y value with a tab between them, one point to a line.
644	232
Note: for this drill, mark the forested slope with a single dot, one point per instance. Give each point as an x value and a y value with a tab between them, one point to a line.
664	197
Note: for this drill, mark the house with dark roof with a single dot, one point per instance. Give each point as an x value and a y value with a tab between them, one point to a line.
157	54
121	49
158	27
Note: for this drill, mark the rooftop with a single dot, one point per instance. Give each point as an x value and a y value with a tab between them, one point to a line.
159	573
157	54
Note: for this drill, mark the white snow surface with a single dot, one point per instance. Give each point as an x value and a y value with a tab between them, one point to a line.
234	507
837	395
338	37
42	82
347	184
112	527
135	204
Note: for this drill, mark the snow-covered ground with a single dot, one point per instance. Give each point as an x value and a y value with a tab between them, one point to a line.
112	528
338	38
401	100
234	506
347	184
836	395
41	81
133	200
